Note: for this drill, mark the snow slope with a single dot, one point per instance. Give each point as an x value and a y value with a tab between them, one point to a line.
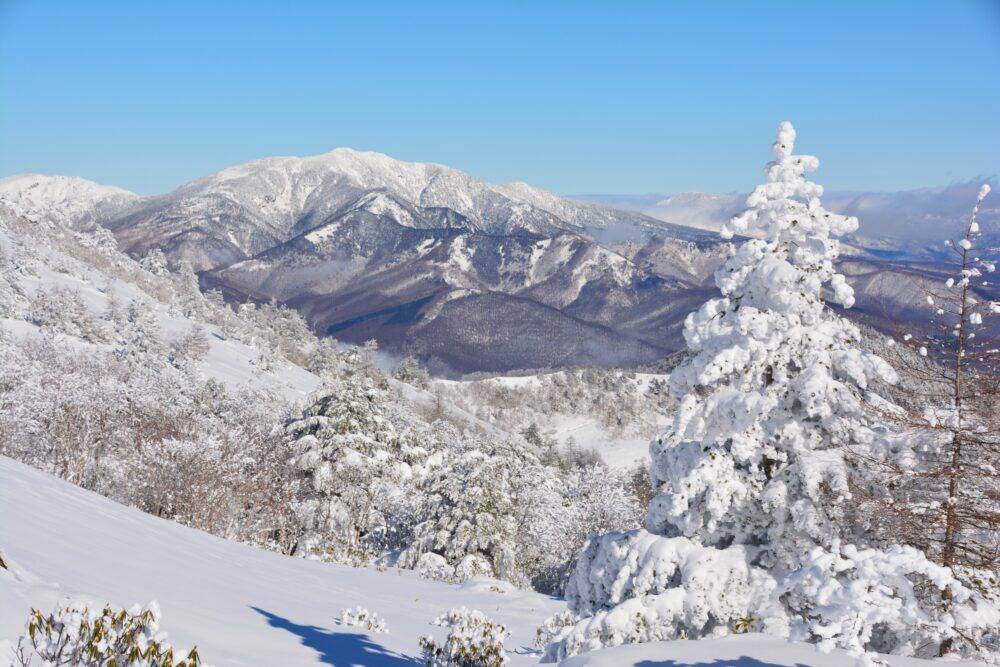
229	361
244	606
239	605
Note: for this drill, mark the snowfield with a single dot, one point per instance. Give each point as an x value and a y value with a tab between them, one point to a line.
239	605
245	606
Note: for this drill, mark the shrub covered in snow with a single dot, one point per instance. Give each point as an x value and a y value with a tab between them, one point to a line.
473	641
78	635
361	617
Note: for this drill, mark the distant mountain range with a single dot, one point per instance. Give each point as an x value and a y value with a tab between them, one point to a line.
908	225
467	275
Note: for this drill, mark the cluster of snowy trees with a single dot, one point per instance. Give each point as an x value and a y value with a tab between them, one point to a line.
380	483
129	424
766	476
619	400
103	397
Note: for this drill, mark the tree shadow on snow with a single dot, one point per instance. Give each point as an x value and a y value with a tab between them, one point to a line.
742	661
340	649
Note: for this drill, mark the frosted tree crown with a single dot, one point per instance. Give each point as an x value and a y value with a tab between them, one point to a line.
787	211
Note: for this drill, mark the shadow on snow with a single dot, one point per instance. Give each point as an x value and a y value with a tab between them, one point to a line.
340	649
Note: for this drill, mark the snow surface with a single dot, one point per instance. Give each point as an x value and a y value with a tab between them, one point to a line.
238	604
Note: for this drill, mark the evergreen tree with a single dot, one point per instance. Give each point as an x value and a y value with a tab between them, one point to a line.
748	530
469	510
356	464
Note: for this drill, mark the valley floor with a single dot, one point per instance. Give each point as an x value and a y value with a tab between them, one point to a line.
244	606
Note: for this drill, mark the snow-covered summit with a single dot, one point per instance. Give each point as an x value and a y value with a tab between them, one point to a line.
65	198
288	189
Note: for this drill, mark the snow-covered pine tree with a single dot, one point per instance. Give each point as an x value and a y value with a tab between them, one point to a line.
775	384
411	372
187	300
139	334
357	466
753	480
469	513
155	262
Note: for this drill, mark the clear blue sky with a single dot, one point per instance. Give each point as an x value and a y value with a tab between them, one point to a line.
578	97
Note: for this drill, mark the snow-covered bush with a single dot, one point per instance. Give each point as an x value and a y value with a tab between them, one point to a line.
638	587
552	627
361	617
78	635
753	478
473	641
869	599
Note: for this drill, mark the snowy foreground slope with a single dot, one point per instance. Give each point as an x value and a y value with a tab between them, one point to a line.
240	605
244	606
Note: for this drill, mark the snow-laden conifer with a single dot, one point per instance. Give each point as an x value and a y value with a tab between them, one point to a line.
356	464
752	475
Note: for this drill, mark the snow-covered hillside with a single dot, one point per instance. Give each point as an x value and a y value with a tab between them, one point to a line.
227	359
243	606
239	605
614	414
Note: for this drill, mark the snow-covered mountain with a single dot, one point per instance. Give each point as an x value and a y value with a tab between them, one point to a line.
243	210
65	199
468	275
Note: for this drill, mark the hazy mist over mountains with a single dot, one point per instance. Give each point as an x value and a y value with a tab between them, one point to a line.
910	224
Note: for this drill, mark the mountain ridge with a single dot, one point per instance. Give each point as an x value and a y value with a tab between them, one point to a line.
467	275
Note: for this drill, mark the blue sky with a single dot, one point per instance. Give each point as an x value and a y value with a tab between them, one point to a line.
578	97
